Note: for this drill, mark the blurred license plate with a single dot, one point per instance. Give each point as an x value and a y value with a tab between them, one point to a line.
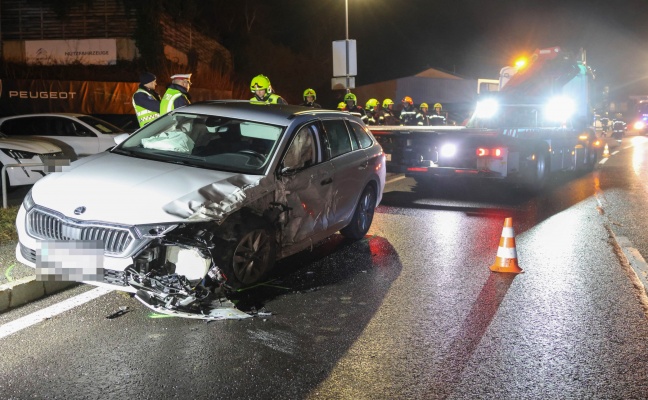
78	261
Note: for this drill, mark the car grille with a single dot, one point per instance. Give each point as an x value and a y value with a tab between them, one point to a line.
53	156
46	226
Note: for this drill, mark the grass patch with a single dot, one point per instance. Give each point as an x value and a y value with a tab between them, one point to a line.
8	224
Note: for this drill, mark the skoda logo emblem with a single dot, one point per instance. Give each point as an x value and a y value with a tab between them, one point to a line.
79	210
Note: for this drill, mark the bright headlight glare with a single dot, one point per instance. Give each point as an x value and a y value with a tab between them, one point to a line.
639	125
559	109
448	150
154	230
486	108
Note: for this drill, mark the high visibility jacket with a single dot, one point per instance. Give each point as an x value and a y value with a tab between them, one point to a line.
269	99
146	114
387	117
411	116
437	119
358	112
172	99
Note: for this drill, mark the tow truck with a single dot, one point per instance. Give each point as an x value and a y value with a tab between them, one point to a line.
539	122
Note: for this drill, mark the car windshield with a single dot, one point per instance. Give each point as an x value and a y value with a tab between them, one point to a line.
205	141
100	125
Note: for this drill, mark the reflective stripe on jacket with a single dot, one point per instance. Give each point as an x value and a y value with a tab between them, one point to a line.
168	101
144	115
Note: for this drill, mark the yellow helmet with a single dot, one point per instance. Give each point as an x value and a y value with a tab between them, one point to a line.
371	104
387	102
424	105
259	82
350	96
438	105
341	105
310	92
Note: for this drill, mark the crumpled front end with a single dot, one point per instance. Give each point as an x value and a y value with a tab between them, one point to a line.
172	267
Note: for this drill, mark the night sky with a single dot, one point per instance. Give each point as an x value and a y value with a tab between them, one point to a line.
475	38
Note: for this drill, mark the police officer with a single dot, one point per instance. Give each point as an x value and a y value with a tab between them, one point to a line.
309	99
177	94
352	107
437	117
371	109
146	101
262	90
387	116
410	115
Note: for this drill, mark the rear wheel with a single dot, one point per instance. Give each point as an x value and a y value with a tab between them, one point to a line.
362	216
538	172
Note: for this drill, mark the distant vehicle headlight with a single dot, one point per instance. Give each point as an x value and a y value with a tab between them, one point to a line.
639	125
448	150
559	109
486	108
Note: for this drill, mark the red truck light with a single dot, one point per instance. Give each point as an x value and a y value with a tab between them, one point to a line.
483	152
417	169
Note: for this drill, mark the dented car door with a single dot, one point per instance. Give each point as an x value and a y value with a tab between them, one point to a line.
305	187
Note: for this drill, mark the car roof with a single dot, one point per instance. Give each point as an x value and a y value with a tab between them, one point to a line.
72	115
276	114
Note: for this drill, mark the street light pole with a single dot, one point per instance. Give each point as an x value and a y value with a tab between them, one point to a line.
346	25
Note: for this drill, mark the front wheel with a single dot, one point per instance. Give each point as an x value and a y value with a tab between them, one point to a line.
362	216
249	255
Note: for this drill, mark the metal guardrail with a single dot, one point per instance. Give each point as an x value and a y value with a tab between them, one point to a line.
4	178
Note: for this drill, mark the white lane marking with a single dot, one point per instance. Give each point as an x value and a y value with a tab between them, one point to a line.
603	161
615	153
397	178
39	316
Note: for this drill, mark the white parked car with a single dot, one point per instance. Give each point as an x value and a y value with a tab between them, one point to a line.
27	151
202	199
85	134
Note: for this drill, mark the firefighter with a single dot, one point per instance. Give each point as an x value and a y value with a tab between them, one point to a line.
410	115
309	99
262	90
424	112
177	94
352	107
146	101
371	108
437	117
387	116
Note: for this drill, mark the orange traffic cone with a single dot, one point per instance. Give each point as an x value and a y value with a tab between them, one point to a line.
606	151
506	260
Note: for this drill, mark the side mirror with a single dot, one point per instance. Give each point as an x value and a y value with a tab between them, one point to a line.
120	138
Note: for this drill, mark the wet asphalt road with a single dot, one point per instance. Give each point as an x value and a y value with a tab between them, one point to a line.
410	312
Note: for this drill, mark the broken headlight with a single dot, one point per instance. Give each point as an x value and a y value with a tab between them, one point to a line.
154	230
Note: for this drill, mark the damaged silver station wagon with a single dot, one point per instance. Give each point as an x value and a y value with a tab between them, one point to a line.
203	199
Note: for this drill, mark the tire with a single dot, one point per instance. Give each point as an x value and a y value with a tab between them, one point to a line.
362	216
538	173
592	159
248	255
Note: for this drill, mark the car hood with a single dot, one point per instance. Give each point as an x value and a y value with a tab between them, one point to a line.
30	145
130	191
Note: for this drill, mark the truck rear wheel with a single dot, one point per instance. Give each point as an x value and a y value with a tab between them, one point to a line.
538	173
